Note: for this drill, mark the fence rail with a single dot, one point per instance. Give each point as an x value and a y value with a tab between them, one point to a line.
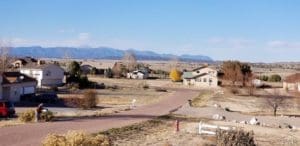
211	129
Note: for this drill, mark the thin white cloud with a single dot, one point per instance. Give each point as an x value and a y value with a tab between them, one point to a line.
283	44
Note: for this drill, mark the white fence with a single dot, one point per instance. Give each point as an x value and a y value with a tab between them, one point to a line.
211	129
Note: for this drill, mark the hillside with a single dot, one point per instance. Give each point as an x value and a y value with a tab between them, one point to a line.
98	53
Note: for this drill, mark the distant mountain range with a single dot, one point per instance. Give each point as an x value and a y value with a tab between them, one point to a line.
98	53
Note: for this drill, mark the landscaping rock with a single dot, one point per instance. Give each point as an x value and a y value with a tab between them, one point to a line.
217	105
254	121
218	117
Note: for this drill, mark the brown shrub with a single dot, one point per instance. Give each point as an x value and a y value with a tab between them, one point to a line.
27	116
89	99
76	138
235	138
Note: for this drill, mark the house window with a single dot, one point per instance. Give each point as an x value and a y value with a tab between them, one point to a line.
197	71
199	80
204	79
210	80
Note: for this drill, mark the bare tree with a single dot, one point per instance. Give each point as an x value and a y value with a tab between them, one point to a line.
129	60
275	101
236	71
4	52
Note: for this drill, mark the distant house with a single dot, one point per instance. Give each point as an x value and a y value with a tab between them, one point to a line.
292	82
47	75
201	77
20	62
138	74
14	85
86	69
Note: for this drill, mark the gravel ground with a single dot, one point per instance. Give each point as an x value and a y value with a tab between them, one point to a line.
208	112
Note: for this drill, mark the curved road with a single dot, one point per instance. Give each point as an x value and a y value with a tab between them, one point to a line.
32	134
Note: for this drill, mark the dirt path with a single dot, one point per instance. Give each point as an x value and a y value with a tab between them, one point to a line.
32	134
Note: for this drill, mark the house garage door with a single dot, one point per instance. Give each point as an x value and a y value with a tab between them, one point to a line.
28	90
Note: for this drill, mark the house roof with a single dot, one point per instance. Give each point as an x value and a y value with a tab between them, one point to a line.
16	77
43	66
200	68
293	78
189	75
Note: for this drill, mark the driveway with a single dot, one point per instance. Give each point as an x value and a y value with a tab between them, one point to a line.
32	134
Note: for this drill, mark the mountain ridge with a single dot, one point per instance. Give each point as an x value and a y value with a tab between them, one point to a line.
99	53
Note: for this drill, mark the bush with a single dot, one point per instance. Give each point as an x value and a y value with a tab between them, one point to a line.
275	78
72	102
235	138
89	99
27	116
47	116
264	78
75	138
175	75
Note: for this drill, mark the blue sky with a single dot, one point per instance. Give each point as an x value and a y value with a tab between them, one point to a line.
248	30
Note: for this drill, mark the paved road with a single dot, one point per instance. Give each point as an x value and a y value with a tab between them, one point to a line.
32	134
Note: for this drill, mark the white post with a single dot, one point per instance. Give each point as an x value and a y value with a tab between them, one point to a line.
133	104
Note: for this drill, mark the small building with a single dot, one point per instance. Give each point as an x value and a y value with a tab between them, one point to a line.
201	77
47	75
20	62
14	85
138	74
292	82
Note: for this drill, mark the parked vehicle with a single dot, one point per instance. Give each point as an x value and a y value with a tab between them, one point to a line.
7	109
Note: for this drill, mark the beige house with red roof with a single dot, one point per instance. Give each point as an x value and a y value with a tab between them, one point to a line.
292	82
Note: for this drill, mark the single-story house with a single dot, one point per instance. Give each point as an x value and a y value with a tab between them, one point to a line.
201	77
15	84
292	82
20	62
47	75
138	74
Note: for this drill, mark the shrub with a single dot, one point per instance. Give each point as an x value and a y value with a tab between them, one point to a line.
27	116
264	78
235	138
175	75
84	82
54	140
275	78
72	101
89	99
47	116
76	138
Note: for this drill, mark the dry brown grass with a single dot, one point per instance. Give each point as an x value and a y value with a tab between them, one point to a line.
76	138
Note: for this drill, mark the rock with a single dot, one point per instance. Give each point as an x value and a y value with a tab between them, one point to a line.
243	122
254	121
218	117
217	105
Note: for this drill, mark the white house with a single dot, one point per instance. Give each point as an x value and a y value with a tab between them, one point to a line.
201	77
13	85
47	75
138	74
292	82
